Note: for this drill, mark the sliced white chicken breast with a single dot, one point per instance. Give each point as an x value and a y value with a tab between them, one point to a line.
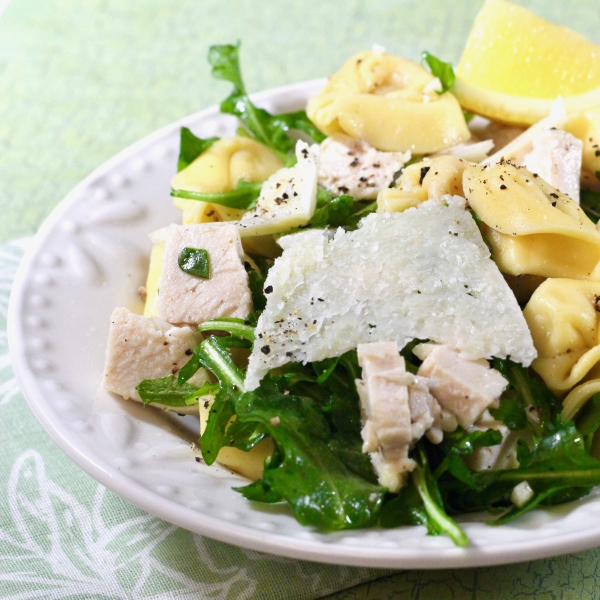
466	388
187	299
141	348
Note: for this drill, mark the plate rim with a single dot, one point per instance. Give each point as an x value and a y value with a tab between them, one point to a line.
187	517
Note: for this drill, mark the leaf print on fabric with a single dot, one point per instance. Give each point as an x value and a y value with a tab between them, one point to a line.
62	548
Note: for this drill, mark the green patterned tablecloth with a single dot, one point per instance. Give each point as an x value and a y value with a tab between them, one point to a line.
79	81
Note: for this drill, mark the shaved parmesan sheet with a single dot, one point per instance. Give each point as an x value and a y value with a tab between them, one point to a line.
287	199
424	273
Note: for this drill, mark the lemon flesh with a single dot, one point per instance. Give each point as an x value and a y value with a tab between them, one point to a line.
515	64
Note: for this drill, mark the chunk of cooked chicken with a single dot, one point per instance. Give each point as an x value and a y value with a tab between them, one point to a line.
556	157
141	348
186	299
351	166
397	410
466	388
385	409
548	151
426	415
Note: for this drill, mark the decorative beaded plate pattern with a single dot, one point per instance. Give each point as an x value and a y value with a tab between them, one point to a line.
90	256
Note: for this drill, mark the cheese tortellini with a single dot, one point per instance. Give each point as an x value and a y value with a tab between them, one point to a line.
586	127
218	170
429	179
563	317
391	103
533	228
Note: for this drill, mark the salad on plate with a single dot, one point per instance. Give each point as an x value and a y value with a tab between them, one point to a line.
384	309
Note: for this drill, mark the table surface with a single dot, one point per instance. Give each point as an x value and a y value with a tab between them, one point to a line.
80	81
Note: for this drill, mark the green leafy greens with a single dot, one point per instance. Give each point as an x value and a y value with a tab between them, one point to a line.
270	130
191	147
340	211
194	261
243	196
170	392
440	69
322	491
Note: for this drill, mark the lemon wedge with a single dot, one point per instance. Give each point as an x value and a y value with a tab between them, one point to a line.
515	64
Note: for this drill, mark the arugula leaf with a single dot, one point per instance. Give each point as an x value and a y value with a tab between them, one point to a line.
342	211
270	130
334	213
588	419
365	208
237	327
256	282
467	115
484	237
214	436
440	69
461	443
348	448
438	521
589	201
212	354
420	503
169	392
244	436
511	413
324	368
260	491
324	197
189	369
405	509
191	147
558	469
322	491
194	261
540	409
411	361
243	196
343	413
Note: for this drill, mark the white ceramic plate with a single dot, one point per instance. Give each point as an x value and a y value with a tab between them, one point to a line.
90	256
